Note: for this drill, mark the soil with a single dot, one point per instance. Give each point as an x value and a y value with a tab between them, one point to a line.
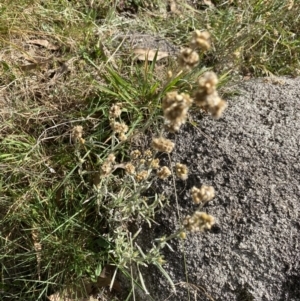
251	157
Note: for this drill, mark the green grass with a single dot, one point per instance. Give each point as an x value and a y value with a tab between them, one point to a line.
51	193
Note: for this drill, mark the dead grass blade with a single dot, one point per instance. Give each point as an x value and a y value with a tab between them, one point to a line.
143	54
43	43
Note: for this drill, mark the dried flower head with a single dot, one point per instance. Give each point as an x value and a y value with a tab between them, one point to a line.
77	133
207	96
199	221
107	166
200	99
212	100
105	169
134	155
115	111
129	168
164	172
163	145
141	176
200	39
148	153
154	164
208	82
188	58
175	107
218	109
202	195
118	127
111	158
181	171
122	137
212	103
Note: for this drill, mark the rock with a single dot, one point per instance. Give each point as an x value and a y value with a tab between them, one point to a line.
251	157
136	40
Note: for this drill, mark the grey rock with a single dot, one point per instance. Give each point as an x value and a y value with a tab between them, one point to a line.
251	157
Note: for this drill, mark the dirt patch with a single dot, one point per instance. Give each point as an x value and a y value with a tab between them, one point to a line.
251	157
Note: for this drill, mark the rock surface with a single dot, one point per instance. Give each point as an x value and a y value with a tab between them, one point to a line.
134	40
251	157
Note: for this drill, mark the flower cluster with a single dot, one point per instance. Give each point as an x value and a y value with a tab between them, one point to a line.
119	128
115	111
130	168
77	133
163	145
201	40
142	164
107	166
175	107
189	57
164	172
134	155
207	97
141	176
203	194
154	163
199	221
181	171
